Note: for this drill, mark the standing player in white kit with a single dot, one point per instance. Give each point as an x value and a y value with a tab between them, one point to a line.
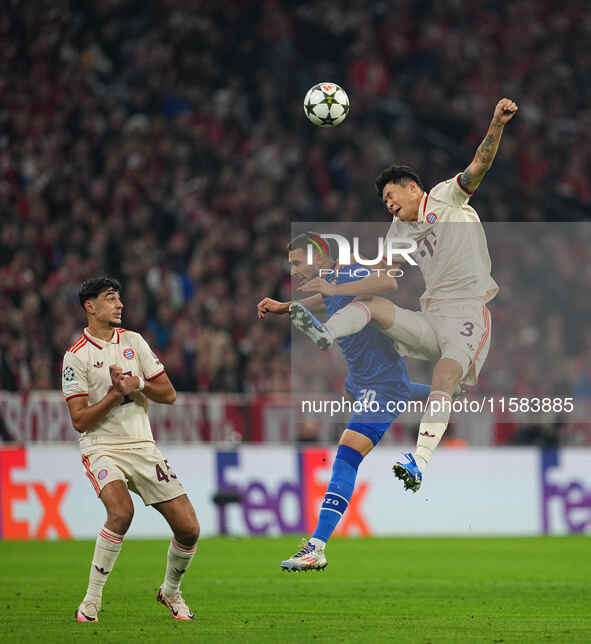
453	327
109	374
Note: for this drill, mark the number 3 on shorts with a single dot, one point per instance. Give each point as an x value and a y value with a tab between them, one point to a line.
161	475
468	328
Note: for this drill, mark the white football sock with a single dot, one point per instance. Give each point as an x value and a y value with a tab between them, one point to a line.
433	425
106	551
348	320
178	560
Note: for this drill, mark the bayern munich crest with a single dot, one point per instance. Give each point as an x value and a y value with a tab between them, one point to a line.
102	474
129	353
431	217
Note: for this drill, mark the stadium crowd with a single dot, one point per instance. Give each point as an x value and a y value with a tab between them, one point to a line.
164	143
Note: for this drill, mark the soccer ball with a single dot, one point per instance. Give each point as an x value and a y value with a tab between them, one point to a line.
326	104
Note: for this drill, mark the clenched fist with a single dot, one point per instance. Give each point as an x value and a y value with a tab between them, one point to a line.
505	110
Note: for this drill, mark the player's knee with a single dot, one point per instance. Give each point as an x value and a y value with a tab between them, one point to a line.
382	312
189	534
194	531
120	518
446	375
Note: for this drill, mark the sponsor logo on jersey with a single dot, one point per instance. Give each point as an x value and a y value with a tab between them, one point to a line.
98	364
68	374
431	217
129	353
102	474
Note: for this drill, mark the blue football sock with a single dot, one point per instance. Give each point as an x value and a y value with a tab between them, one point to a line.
417	391
339	493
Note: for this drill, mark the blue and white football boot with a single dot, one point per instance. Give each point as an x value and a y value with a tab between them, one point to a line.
310	557
304	321
408	473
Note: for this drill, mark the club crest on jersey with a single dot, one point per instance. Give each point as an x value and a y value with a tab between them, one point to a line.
129	353
102	474
431	217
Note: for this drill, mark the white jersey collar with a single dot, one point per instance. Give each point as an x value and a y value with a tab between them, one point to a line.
99	342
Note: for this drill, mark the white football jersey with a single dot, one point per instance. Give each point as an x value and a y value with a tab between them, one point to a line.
86	373
452	252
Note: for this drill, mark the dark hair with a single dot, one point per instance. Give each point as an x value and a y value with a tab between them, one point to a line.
400	174
89	289
326	246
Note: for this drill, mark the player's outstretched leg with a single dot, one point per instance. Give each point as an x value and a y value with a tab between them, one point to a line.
408	472
304	321
340	489
347	321
446	377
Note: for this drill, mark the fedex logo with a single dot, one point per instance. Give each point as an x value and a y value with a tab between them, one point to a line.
566	494
266	507
13	492
283	504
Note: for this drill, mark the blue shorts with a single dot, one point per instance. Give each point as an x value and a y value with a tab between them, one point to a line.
378	414
374	431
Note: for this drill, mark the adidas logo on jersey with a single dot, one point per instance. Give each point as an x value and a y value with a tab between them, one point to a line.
98	364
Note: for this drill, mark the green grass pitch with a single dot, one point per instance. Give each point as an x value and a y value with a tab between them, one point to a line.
374	590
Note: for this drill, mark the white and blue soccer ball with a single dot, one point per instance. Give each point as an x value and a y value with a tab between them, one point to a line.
326	104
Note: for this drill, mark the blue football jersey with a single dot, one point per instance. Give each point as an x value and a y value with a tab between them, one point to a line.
371	357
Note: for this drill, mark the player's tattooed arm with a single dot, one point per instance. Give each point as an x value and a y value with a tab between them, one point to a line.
470	179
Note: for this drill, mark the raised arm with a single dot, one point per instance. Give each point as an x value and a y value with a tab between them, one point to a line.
470	179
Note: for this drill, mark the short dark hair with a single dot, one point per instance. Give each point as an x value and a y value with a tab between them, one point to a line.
326	246
89	289
400	174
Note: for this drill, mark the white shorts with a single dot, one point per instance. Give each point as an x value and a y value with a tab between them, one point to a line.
144	469
459	330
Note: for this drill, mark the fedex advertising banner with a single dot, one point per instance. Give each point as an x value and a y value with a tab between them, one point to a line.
44	493
566	491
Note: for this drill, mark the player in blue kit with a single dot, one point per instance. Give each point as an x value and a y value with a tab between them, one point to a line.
377	375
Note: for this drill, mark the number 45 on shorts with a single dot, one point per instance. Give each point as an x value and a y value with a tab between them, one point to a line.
161	475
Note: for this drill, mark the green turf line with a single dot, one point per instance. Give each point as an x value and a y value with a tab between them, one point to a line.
374	590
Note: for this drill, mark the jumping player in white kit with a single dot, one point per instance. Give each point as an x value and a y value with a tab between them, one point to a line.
453	327
109	374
